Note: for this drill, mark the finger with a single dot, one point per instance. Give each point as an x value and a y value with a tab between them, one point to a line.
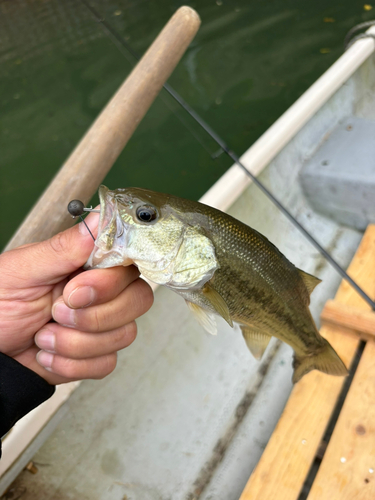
134	301
58	290
77	369
28	359
98	286
74	344
50	261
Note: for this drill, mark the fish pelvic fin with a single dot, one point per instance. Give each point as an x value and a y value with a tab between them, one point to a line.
326	360
204	318
256	341
217	302
309	280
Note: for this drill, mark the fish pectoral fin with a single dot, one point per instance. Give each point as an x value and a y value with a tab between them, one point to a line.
256	341
204	318
218	303
325	360
309	280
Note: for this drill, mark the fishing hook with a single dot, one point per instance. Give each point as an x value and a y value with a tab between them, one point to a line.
117	39
76	208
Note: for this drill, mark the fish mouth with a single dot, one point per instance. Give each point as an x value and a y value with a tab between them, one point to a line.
112	236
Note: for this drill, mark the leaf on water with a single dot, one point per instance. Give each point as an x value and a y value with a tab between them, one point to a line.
324	51
367	6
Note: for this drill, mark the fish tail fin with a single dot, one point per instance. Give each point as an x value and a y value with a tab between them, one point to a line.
326	361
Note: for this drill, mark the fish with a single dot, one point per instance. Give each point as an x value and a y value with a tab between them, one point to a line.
219	265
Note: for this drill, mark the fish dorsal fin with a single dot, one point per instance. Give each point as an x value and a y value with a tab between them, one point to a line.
309	280
256	341
204	318
217	302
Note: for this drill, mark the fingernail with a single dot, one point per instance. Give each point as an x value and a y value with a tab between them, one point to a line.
82	296
45	340
62	314
45	359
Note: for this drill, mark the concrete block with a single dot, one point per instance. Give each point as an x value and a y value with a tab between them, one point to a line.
339	180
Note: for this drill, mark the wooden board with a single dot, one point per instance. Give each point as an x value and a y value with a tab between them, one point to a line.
357	321
287	459
347	471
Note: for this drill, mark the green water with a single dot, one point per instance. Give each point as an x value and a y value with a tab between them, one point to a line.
249	62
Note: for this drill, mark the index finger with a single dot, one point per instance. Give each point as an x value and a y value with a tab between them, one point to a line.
98	286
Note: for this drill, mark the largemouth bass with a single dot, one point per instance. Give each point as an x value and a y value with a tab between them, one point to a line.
219	265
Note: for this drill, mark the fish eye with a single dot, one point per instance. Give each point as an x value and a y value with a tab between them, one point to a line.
146	214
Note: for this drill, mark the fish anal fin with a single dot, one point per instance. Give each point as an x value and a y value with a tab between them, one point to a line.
217	302
309	280
204	318
326	360
256	341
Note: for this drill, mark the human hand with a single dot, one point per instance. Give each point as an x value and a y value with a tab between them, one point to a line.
94	311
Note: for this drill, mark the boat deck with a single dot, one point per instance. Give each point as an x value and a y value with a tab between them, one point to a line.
302	460
186	415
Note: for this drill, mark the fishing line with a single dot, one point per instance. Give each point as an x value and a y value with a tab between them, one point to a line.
76	208
87	227
223	146
119	42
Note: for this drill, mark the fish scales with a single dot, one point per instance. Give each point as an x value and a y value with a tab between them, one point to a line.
219	266
266	294
251	270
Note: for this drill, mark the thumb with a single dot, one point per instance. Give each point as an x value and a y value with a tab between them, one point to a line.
49	261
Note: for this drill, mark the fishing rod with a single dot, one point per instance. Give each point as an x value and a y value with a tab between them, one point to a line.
121	44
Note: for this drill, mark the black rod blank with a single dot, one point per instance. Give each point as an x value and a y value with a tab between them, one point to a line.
119	40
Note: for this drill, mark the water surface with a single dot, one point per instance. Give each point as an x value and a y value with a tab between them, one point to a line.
249	62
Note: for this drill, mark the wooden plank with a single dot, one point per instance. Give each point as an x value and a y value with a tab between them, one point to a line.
290	452
347	471
91	160
288	456
355	321
362	270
